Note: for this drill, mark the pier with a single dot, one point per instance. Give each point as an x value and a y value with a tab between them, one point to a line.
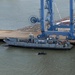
15	34
22	34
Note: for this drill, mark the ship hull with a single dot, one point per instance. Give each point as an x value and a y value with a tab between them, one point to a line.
36	45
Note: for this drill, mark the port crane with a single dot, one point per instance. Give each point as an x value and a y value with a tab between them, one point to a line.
53	28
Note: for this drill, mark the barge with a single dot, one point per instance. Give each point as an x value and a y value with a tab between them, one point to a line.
35	42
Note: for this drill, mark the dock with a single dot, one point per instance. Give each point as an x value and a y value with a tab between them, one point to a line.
15	34
21	34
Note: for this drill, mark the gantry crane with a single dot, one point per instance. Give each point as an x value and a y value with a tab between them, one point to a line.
52	30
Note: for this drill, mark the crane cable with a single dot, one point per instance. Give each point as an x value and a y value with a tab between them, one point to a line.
57	10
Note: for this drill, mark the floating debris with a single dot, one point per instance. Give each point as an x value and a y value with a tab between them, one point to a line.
42	53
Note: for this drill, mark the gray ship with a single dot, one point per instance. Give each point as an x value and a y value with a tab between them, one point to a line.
35	42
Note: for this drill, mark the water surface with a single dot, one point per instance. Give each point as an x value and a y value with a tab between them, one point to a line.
25	61
15	14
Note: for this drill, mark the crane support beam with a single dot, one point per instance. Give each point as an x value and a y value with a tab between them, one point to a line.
62	26
56	33
71	17
42	20
51	14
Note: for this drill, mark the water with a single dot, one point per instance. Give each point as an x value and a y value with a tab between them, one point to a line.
24	61
14	14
